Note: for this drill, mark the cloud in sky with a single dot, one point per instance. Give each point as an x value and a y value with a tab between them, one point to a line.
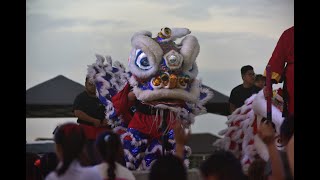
64	36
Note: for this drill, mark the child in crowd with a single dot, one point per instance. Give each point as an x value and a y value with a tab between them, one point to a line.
110	149
70	141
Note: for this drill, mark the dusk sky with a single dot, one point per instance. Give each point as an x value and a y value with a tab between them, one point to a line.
62	37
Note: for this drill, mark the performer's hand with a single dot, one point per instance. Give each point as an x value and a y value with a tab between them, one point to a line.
180	134
104	123
181	137
266	132
97	123
131	96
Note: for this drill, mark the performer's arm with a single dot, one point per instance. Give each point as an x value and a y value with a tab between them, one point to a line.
267	134
131	96
83	116
277	60
181	138
123	101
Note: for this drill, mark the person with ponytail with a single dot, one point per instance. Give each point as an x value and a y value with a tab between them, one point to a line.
111	151
70	141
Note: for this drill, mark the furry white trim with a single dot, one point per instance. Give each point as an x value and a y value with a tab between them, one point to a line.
223	132
231	129
130	165
245	109
118	79
148	95
261	148
105	85
90	72
151	49
192	73
234	114
186	162
189	50
234	118
129	155
195	112
179	33
108	65
245	124
172	109
144	165
208	97
108	60
134	142
109	109
120	66
154	149
100	60
236	135
259	106
116	129
143	32
189	151
250	99
250	150
171	141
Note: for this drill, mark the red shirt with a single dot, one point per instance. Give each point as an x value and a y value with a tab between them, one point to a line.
282	54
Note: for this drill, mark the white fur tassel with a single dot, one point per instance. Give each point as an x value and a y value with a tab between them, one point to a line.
261	148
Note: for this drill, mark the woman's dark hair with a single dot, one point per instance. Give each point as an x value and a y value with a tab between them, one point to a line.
256	170
168	167
223	165
110	148
71	138
32	171
48	163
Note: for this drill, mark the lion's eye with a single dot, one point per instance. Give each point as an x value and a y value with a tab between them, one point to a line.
142	60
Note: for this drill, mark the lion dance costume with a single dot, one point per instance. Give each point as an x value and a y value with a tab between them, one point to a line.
162	76
241	138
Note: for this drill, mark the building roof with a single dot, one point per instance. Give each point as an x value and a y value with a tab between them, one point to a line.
218	104
202	143
56	91
52	98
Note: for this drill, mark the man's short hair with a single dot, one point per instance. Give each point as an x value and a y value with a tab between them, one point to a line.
168	167
222	164
260	77
245	69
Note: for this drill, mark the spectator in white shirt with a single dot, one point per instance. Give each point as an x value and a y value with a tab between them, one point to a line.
69	143
111	151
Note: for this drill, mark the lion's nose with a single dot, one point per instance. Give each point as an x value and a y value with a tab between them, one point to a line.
173	81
